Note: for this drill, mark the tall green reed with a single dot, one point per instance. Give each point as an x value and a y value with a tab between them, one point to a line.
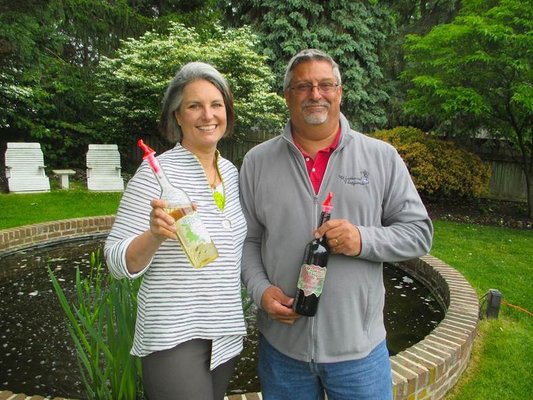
101	322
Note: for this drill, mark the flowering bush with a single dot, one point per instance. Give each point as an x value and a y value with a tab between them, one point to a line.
438	167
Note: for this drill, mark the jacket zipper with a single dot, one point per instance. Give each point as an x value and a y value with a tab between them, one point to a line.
316	214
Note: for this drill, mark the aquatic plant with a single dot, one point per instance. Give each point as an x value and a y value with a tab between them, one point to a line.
101	322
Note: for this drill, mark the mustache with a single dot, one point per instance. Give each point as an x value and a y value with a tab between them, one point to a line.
320	103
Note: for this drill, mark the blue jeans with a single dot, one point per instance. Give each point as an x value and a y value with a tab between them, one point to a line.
284	378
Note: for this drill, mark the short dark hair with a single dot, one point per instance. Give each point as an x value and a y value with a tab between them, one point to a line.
191	72
309	55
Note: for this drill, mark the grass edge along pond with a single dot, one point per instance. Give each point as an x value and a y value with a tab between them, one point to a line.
494	258
489	257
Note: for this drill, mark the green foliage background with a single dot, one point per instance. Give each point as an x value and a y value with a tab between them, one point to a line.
131	85
473	76
467	69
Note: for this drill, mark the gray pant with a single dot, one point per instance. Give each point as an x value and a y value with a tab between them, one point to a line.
182	373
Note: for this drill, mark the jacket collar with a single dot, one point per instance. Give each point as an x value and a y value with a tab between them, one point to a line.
344	136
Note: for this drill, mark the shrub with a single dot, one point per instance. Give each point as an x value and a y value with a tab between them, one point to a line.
438	167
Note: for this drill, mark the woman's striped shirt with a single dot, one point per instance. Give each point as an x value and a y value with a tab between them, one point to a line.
177	302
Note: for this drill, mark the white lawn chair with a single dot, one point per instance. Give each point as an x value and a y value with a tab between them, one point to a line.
103	168
25	168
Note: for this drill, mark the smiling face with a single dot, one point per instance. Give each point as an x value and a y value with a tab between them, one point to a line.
314	108
201	116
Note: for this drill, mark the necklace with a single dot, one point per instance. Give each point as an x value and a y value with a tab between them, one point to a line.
214	183
218	196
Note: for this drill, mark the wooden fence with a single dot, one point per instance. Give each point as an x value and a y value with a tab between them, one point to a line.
507	181
231	149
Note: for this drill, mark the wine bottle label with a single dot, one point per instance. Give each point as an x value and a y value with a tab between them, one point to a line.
191	229
311	279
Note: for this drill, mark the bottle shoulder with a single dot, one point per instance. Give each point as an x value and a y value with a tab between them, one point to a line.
317	247
175	195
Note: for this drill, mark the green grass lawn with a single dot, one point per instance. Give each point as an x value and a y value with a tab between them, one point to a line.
26	209
494	258
489	258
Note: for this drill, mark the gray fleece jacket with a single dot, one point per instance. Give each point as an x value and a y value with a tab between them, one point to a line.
374	191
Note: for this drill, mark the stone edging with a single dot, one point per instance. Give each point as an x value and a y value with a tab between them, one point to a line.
425	371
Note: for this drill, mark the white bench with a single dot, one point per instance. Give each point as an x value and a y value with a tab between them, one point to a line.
64	176
104	169
25	168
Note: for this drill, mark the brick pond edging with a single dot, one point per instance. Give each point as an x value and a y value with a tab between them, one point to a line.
429	368
48	232
424	371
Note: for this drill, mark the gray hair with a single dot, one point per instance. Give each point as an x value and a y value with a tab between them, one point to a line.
309	55
191	72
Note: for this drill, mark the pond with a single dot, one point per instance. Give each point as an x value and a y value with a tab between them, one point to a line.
37	355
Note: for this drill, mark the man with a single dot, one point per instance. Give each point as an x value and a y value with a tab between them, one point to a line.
377	217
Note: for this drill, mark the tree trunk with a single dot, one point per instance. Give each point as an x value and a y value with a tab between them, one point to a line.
529	190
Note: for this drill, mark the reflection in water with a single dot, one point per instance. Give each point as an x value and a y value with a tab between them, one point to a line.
36	354
411	312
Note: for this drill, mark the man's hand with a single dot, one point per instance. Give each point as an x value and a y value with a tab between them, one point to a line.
278	305
343	237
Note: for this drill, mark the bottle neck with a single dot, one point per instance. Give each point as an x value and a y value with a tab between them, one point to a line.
324	217
162	178
168	191
158	172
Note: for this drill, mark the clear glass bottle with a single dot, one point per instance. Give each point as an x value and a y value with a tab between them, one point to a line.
190	231
313	271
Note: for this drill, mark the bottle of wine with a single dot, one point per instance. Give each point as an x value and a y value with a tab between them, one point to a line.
313	270
191	232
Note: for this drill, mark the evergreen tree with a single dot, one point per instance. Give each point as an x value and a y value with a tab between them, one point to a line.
352	32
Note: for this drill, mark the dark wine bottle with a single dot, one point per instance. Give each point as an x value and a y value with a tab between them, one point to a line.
313	270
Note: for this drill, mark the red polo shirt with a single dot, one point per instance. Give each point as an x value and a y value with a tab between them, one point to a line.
317	168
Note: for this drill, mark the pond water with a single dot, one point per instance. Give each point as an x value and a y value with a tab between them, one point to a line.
37	355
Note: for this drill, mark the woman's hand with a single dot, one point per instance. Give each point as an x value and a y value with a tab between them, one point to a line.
143	247
161	224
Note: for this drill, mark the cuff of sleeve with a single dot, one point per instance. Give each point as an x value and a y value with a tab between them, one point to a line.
258	292
364	237
125	271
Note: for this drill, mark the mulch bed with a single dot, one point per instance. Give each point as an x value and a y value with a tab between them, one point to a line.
481	211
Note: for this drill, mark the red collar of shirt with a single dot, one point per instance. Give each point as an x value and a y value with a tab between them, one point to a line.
317	168
329	149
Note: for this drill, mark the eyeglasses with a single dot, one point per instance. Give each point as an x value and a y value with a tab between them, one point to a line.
323	88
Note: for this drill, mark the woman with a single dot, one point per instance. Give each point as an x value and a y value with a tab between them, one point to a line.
190	322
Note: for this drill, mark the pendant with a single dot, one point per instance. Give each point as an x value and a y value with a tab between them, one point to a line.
219	199
226	224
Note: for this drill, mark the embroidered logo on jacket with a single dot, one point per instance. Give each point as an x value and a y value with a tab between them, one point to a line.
353	180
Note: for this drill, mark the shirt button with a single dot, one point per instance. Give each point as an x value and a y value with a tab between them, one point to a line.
313	170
